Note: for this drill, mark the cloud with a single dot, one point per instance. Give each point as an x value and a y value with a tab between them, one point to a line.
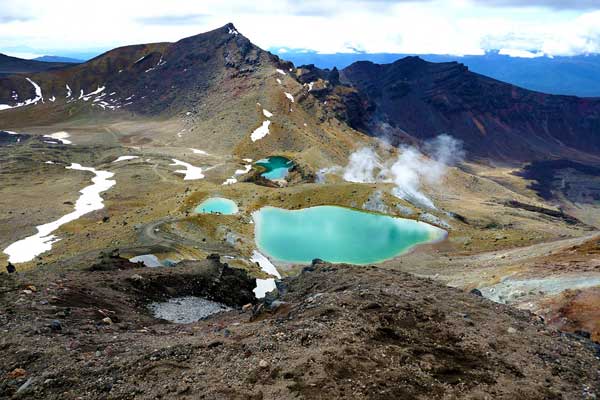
324	8
556	4
190	19
327	26
14	12
7	19
580	35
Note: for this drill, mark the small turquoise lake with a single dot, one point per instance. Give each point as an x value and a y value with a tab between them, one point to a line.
276	167
337	234
217	205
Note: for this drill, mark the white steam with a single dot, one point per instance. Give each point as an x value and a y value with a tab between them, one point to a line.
408	171
362	166
323	172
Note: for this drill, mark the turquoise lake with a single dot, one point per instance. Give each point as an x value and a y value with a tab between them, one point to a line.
217	205
337	234
276	167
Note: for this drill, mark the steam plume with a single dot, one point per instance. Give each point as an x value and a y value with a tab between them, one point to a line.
408	171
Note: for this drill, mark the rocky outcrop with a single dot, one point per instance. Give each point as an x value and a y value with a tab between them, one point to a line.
340	101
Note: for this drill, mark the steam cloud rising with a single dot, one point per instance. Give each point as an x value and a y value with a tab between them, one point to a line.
407	171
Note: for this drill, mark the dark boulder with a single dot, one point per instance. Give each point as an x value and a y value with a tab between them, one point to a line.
11	269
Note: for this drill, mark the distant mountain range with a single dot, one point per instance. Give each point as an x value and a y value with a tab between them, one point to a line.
58	59
13	65
571	76
576	76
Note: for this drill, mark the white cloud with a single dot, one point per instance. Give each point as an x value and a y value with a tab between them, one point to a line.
520	53
25	55
435	26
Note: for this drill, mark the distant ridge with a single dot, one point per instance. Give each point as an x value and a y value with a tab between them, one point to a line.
13	65
575	76
58	59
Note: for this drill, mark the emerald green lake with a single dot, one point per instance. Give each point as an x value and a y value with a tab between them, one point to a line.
217	205
276	167
337	234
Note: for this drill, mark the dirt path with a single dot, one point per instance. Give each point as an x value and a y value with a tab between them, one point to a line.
523	254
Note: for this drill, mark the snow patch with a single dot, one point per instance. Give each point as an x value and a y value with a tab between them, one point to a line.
90	200
264	286
246	169
261	131
35	100
89	95
289	96
125	158
190	172
38	91
267	114
196	151
282	72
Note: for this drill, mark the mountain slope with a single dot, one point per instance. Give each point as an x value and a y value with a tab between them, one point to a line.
212	88
574	76
13	65
494	119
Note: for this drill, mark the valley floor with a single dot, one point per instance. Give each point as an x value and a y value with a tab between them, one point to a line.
402	336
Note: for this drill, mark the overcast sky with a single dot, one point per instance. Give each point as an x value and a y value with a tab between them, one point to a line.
30	28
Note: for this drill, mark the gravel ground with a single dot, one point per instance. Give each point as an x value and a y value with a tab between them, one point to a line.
336	331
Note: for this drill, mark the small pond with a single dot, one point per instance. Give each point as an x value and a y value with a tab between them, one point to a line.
217	205
337	234
276	167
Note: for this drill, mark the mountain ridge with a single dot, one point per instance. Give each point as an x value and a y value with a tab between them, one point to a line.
407	101
561	75
14	65
494	119
60	59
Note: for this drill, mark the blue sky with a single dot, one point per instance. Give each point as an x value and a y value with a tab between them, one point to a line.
30	28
